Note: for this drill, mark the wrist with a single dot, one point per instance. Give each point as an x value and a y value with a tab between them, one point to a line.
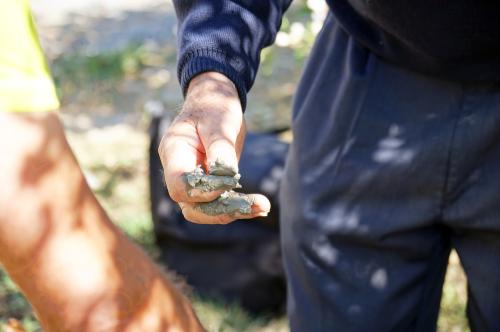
214	78
213	89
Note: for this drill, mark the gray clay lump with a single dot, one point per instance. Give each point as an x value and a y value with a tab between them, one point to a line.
219	177
197	179
221	169
230	202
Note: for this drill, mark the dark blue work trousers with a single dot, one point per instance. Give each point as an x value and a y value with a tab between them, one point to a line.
389	170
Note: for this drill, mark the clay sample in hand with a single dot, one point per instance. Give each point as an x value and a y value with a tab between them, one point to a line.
223	178
219	177
221	169
230	202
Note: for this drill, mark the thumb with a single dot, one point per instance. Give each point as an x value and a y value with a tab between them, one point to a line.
222	151
220	124
223	141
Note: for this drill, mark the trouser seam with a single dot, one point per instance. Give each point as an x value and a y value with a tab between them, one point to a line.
450	166
355	119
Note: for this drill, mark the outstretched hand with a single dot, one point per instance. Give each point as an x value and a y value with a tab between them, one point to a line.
209	128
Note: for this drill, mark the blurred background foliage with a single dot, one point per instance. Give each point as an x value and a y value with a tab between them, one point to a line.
115	66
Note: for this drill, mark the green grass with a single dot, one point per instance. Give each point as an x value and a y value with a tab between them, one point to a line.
220	317
79	69
14	305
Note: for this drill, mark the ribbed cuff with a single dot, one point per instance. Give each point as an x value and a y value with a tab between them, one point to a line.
204	60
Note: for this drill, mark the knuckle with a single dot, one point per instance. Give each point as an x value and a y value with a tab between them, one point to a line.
224	219
218	140
163	144
175	194
161	150
190	218
186	212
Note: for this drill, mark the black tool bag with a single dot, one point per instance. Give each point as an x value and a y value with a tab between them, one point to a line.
239	262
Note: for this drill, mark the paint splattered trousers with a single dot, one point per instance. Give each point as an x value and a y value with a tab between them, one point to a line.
389	170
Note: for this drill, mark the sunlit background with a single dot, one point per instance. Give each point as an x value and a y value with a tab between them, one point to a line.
114	65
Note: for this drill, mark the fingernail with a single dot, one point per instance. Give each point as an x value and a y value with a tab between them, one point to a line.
222	168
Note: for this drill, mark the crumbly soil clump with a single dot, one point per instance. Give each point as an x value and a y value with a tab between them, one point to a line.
230	202
219	177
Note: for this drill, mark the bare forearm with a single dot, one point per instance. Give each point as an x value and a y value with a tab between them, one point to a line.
76	268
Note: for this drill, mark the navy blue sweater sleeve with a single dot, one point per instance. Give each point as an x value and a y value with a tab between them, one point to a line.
225	36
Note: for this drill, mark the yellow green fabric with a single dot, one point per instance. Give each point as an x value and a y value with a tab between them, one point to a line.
25	81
